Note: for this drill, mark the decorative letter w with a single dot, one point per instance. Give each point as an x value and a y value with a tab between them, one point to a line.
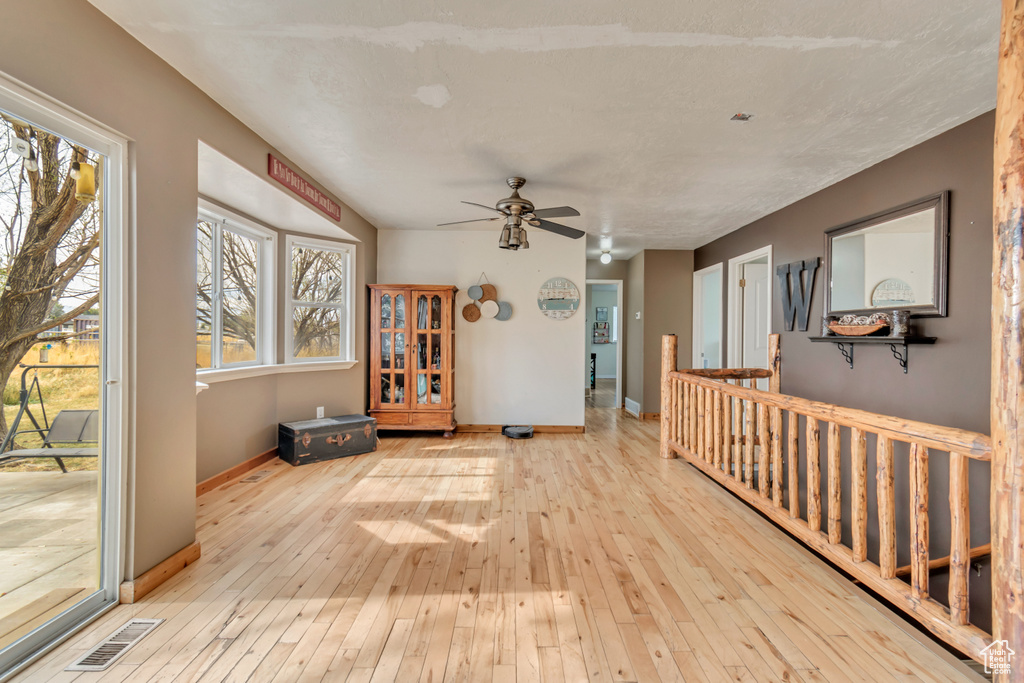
796	300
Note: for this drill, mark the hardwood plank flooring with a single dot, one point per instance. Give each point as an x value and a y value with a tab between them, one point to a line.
568	557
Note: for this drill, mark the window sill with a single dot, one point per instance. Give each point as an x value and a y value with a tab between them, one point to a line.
228	374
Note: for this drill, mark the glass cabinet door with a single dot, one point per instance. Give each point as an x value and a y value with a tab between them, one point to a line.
429	350
392	349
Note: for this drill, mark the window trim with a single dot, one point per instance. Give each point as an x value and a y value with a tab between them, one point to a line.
266	278
346	307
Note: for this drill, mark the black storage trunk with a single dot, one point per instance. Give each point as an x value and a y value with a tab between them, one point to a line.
326	438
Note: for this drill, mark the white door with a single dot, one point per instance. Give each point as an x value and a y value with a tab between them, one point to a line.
755	323
707	317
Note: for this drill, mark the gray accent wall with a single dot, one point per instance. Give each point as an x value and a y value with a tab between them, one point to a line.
948	383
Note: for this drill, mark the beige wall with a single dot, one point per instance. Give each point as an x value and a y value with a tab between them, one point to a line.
526	370
634	351
668	309
659	287
126	87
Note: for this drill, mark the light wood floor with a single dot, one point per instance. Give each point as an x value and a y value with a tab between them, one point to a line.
562	558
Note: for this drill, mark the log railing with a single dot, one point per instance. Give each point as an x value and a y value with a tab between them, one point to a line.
749	441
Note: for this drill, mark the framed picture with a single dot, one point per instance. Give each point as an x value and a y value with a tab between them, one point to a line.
602	314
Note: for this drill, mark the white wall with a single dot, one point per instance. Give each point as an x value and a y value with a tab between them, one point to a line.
605	352
526	370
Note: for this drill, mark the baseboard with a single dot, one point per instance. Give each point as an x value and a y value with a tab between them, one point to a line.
649	416
605	377
136	589
538	429
236	471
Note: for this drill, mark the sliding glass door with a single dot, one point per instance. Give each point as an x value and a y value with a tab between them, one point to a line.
61	365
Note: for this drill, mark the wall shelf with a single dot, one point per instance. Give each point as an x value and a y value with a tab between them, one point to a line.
847	344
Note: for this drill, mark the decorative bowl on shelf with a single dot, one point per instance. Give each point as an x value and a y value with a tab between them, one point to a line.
857	330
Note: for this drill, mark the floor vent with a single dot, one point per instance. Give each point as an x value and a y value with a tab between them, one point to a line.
632	407
255	477
115	645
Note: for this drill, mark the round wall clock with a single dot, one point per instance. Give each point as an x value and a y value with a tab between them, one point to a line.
558	298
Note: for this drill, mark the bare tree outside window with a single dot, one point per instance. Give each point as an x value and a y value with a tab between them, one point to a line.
318	293
49	247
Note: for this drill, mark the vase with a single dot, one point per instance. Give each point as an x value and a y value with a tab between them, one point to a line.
900	323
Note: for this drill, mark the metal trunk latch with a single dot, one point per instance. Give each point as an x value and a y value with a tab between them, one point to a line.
340	439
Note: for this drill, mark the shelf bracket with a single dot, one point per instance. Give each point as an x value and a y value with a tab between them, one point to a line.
901	358
848	353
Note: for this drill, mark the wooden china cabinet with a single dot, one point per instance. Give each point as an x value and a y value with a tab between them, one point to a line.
412	357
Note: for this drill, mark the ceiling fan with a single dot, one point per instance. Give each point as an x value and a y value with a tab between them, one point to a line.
516	210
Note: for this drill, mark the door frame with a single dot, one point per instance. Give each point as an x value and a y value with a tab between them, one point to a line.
698	311
618	335
115	365
735	311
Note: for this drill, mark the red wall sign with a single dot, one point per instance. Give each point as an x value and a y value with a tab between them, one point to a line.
280	172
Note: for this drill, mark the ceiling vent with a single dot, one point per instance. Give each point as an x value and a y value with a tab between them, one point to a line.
111	648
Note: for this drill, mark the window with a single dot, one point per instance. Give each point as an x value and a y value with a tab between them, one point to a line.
234	302
319	300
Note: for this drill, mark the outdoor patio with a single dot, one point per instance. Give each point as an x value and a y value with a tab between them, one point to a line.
48	539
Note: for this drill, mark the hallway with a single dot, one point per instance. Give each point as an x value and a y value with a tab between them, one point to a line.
562	558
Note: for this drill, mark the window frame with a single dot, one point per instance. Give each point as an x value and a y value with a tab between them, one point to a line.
346	307
266	284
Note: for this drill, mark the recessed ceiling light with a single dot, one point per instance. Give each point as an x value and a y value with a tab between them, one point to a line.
741	117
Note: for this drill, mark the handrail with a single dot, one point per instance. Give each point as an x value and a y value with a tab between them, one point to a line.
751	442
972	444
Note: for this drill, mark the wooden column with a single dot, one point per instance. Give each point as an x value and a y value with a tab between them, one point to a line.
669	356
1007	493
774	364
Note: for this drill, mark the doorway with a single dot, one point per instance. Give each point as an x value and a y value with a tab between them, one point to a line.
604	343
750	310
62	455
707	317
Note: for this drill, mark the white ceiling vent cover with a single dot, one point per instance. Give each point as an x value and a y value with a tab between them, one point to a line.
115	645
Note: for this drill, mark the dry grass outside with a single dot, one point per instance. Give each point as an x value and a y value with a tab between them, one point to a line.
62	389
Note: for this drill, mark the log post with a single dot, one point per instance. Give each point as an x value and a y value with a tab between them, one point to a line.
669	357
1007	410
774	364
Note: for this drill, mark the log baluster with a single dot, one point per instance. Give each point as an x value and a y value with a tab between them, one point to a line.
776	427
859	493
748	444
886	495
764	444
737	431
960	539
835	490
716	402
709	426
793	453
813	475
700	421
727	433
919	520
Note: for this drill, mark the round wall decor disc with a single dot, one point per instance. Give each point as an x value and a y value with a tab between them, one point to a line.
475	292
471	313
490	292
489	309
504	311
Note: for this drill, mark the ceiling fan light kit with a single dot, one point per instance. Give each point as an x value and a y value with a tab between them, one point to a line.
517	210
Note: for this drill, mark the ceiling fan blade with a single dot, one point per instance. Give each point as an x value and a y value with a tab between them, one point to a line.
475	220
558	228
489	208
556	212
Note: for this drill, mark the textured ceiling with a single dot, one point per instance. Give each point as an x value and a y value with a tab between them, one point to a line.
618	109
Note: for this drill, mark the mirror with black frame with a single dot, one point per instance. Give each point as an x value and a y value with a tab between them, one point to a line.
896	259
